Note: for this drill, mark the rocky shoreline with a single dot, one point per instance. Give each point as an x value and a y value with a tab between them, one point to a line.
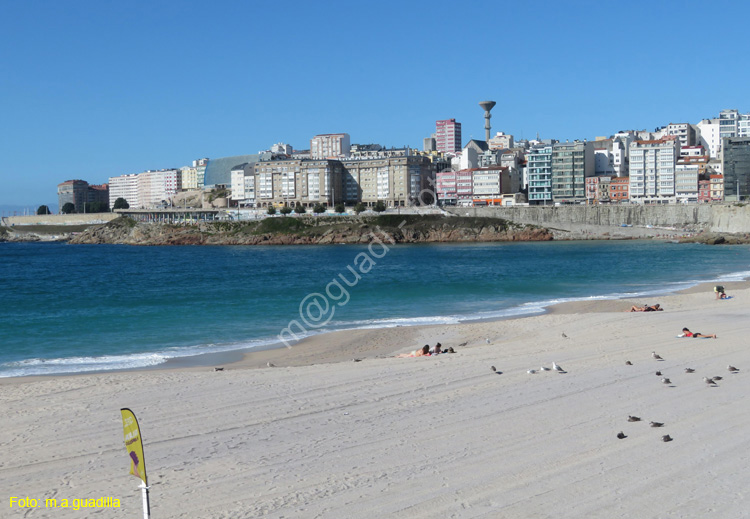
315	231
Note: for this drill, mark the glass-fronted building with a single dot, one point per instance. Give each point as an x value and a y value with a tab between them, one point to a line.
736	167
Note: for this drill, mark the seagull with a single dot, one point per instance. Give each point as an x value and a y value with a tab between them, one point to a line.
543	368
621	435
666	438
564	336
689	370
487	341
732	369
531	371
709	381
270	365
634	419
666	381
218	369
557	368
493	368
658	373
656	424
628	363
656	355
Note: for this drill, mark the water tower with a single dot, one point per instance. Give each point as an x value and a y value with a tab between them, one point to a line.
487	106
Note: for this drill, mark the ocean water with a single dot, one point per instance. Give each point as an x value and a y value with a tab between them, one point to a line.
75	308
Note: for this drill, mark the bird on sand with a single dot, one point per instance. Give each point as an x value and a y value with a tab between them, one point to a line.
732	369
270	365
544	368
717	378
656	356
493	368
666	438
628	363
487	341
656	424
689	370
564	336
557	368
531	371
621	435
709	381
666	381
634	419
658	373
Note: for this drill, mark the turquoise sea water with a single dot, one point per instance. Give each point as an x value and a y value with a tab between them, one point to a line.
72	308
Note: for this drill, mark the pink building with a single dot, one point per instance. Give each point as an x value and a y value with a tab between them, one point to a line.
445	184
448	136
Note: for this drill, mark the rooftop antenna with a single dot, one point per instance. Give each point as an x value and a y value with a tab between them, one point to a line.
487	106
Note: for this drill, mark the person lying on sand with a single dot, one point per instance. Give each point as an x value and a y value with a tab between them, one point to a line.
646	308
422	352
688	333
437	349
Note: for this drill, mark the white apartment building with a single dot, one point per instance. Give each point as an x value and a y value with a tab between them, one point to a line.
501	141
743	126
126	187
709	136
652	170
684	132
282	148
330	145
728	123
243	184
692	151
145	190
686	182
158	187
490	182
609	158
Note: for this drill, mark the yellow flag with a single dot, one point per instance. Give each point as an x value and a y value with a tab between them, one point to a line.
134	444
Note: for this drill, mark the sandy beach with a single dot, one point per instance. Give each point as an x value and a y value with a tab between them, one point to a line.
320	435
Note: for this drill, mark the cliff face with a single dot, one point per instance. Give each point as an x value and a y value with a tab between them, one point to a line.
315	230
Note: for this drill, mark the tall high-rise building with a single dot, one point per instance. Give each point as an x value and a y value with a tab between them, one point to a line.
448	136
330	146
539	172
652	170
572	163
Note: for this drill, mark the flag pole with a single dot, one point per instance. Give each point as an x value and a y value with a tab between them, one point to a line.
146	506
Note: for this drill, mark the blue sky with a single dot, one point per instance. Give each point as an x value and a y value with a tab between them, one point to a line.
96	89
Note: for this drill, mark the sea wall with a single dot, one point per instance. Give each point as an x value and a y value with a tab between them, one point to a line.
59	219
695	217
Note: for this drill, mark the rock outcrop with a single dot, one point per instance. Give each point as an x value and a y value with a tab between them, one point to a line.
315	231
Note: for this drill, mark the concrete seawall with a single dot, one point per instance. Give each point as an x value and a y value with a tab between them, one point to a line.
59	219
722	218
